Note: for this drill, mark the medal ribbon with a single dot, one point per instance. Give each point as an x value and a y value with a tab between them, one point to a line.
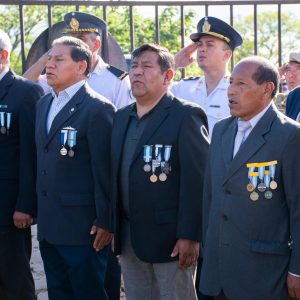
8	116
253	178
147	153
167	153
72	138
158	152
261	171
267	178
2	118
63	136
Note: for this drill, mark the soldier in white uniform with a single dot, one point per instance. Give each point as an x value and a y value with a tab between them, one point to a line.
106	80
214	41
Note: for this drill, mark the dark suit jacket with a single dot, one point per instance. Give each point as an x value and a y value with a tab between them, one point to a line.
246	250
73	191
18	96
162	212
293	103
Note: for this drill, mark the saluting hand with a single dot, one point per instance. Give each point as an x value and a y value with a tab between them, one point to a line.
103	237
188	252
185	56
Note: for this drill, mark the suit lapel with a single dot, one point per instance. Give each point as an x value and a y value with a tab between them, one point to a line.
228	142
5	83
121	129
66	113
253	143
159	114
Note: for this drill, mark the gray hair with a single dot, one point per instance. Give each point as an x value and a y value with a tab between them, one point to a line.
5	43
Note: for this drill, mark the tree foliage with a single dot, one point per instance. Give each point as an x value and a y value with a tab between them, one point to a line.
35	21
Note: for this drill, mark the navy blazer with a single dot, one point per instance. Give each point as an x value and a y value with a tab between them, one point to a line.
18	96
247	249
73	192
162	212
293	103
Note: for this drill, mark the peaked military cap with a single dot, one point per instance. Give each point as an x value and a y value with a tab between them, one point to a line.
79	22
217	28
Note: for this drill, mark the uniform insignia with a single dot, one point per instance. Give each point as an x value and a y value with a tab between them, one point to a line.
265	174
117	72
74	24
206	26
68	138
159	161
5	122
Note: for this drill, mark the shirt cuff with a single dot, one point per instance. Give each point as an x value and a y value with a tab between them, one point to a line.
294	274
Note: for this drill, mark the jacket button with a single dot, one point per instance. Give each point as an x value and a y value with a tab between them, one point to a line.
45	150
44	172
224	217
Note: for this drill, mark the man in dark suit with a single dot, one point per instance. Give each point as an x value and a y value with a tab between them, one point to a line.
159	150
73	130
251	211
18	98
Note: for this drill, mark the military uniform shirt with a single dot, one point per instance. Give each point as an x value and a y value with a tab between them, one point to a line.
215	104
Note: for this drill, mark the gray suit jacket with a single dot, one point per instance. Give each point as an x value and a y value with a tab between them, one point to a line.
247	252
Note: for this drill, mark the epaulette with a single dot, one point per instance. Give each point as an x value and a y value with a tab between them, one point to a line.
117	72
191	78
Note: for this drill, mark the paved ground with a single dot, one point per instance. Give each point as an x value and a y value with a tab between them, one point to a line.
38	270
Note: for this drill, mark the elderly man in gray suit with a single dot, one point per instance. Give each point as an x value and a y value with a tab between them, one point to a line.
252	202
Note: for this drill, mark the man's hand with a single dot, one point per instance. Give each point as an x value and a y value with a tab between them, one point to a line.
293	285
103	237
188	252
185	56
22	220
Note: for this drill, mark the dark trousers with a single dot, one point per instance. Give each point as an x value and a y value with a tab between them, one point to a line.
74	272
16	281
112	281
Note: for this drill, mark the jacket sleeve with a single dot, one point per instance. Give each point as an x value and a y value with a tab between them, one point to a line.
26	202
193	150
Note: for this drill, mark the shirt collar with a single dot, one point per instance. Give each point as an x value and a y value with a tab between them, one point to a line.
223	83
4	72
99	67
258	116
70	91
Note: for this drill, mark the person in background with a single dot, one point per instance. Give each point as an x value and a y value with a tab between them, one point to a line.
214	43
18	98
106	80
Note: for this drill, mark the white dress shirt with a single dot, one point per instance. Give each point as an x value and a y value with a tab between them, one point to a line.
60	100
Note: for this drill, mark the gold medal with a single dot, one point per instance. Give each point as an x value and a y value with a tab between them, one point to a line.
147	168
250	187
63	151
71	153
153	178
273	185
162	177
254	196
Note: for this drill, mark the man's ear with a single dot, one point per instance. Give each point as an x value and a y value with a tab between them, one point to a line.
4	54
169	75
269	88
98	44
82	65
